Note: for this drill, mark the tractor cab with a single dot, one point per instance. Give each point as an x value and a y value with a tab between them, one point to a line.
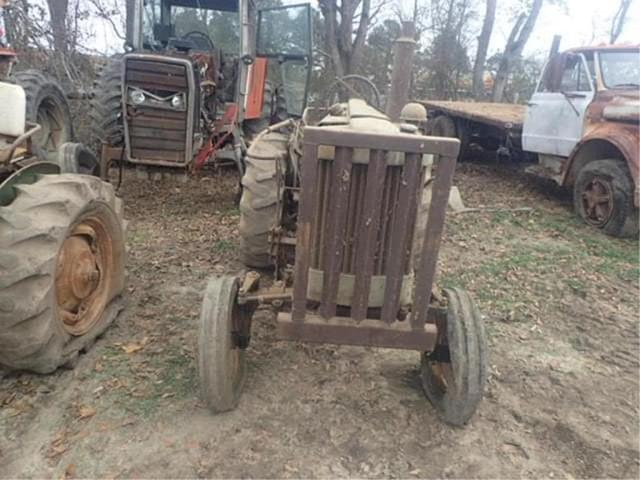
202	77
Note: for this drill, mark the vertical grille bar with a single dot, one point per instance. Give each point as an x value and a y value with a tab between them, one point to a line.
303	238
399	232
367	234
336	219
445	168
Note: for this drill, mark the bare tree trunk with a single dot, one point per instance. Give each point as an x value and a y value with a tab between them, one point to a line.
58	12
345	49
515	44
619	19
483	45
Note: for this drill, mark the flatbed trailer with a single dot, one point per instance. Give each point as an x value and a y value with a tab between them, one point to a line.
493	126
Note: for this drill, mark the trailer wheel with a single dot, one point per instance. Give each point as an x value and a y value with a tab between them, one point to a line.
454	375
603	197
445	126
221	364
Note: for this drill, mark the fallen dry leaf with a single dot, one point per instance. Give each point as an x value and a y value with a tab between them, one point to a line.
70	471
86	411
134	347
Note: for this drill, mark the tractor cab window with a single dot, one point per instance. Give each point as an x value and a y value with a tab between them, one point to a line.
284	35
203	27
221	28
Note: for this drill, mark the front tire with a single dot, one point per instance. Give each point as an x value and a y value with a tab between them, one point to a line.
221	364
455	387
62	270
603	198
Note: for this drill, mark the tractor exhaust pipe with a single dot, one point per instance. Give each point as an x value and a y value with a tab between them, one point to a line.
403	51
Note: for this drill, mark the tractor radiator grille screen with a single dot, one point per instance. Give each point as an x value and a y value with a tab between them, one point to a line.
157	104
355	210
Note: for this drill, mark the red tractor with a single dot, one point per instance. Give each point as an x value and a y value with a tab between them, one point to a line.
199	79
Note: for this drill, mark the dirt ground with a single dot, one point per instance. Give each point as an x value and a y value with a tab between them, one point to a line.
560	303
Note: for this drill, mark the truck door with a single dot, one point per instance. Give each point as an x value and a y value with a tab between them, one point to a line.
554	121
284	34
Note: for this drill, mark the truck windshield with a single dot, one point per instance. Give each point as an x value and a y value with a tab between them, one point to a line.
222	28
620	69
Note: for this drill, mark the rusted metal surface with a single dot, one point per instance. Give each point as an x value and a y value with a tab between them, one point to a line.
155	132
356	218
500	115
346	331
403	50
623	134
431	244
83	275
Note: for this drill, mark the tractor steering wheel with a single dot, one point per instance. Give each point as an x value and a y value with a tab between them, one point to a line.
200	40
351	86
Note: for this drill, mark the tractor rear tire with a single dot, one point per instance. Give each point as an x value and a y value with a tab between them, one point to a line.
261	193
62	266
106	107
47	106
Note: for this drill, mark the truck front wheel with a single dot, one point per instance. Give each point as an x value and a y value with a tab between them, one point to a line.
603	197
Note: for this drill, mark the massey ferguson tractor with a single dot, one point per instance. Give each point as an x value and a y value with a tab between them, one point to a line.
61	230
196	84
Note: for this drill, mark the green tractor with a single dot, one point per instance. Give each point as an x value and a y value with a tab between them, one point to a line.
61	230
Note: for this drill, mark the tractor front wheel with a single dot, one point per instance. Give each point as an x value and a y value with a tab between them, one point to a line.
221	363
454	374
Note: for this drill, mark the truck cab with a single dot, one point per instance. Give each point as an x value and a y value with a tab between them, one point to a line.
583	123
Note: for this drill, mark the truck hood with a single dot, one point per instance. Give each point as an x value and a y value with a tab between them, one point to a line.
624	107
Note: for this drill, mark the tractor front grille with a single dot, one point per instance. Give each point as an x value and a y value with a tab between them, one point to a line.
158	132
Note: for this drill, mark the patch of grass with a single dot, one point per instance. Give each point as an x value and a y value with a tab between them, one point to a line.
223	246
138	236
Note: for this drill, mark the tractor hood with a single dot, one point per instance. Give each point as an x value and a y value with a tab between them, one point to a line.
356	114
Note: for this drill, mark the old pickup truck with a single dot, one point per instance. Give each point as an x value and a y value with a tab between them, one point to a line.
580	128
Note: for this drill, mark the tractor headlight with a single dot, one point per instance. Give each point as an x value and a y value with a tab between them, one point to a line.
137	97
177	101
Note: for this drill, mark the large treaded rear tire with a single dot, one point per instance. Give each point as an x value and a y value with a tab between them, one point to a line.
106	106
259	201
46	105
33	230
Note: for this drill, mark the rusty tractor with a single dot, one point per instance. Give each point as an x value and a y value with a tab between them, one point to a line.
200	79
61	230
336	203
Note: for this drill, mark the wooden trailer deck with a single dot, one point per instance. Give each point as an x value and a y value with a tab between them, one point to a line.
501	115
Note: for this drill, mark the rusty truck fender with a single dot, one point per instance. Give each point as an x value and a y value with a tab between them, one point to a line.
607	140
